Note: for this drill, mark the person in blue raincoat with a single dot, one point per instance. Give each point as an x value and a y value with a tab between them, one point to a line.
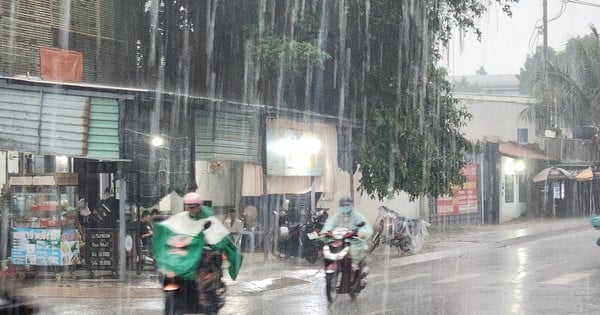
349	218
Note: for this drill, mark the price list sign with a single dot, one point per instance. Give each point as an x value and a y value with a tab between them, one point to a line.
101	249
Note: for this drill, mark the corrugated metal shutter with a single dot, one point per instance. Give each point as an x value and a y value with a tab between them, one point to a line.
227	132
103	141
43	123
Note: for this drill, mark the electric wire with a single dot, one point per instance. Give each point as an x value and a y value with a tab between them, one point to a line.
562	10
587	3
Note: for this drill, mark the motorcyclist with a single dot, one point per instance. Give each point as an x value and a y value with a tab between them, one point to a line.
349	218
178	245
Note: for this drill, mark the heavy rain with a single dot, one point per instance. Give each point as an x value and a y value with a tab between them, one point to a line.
299	157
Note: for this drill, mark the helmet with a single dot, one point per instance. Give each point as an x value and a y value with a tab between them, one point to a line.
192	198
346	201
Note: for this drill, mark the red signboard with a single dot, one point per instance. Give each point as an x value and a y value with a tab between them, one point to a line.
463	200
61	64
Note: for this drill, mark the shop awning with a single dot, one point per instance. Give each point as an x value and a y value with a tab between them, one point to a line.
585	174
551	173
521	151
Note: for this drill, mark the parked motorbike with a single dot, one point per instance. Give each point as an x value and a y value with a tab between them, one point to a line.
396	231
302	240
340	276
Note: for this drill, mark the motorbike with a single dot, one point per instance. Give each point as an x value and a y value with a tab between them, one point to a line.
341	277
396	231
211	287
209	284
302	240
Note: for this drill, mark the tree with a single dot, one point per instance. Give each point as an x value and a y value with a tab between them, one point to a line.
569	94
532	69
410	137
481	71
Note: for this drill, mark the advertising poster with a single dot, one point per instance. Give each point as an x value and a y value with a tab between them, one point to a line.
292	152
463	200
69	247
44	247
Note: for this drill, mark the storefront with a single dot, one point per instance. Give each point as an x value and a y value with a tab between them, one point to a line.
50	133
44	228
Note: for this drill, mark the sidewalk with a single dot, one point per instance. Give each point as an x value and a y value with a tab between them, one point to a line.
258	274
454	241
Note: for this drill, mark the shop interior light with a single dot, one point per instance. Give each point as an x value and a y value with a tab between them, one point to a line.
509	167
519	166
157	141
62	163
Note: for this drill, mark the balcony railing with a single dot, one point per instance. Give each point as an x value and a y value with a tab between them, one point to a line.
572	151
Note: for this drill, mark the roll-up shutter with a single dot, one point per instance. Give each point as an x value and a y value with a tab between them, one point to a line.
103	143
43	123
227	132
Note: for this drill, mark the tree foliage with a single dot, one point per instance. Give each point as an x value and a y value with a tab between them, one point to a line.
463	85
411	138
568	93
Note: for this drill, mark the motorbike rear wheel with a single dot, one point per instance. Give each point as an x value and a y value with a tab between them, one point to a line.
375	242
331	287
311	254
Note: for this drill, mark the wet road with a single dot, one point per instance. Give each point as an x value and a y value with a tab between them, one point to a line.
558	275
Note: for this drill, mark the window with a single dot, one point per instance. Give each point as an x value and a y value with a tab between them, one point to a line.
522	135
509	188
523	188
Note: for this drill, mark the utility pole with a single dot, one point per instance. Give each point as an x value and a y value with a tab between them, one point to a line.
553	116
545	27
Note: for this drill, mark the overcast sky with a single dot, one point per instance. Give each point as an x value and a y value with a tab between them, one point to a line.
506	42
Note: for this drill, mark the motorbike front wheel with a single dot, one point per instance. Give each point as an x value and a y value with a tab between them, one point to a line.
170	303
331	280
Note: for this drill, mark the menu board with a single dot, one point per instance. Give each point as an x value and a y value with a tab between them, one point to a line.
100	249
44	247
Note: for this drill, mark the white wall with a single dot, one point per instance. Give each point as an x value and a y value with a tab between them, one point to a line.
11	167
364	204
217	184
496	118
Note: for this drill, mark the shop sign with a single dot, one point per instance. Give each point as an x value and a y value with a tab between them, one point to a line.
100	249
463	200
292	152
44	247
67	179
20	181
43	181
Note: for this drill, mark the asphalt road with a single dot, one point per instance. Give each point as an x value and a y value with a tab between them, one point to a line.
556	275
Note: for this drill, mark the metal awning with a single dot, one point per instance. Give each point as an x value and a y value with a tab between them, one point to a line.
521	151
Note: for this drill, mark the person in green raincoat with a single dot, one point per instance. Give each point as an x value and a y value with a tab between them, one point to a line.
178	245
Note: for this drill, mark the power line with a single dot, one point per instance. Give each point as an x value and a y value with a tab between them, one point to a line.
587	3
563	8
